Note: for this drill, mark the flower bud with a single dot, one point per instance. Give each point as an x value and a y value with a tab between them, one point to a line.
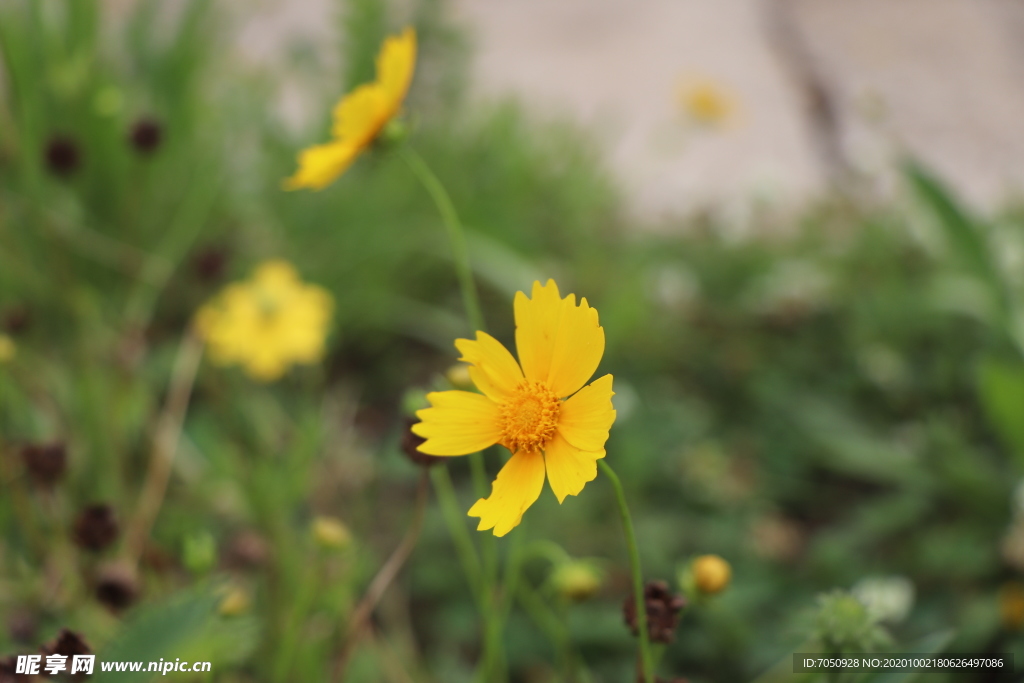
234	603
7	348
394	133
458	375
331	533
576	581
199	552
1011	605
711	574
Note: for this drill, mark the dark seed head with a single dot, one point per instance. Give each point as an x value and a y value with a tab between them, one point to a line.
410	444
95	528
67	643
209	263
16	320
62	155
663	609
117	587
146	135
45	463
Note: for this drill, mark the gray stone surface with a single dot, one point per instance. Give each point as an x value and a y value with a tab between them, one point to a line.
941	78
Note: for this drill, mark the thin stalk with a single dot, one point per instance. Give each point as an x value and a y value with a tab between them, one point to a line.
165	445
456	233
646	661
489	600
387	573
457	529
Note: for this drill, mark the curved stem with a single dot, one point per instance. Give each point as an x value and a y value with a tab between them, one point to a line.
646	661
456	234
165	445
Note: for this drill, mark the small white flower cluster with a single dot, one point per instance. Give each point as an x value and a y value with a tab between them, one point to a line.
886	598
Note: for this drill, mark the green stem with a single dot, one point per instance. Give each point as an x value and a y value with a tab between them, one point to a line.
489	600
646	661
457	529
456	234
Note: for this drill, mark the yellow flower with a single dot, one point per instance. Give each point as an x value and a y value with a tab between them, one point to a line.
267	323
706	103
560	345
360	116
7	348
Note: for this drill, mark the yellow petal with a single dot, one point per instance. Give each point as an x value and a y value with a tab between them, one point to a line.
320	165
587	416
495	372
536	320
559	342
518	485
569	468
457	423
395	65
360	115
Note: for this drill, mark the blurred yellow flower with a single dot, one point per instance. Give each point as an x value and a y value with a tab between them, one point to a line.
360	116
267	323
521	406
7	348
707	103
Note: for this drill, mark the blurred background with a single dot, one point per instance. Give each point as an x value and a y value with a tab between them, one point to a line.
799	222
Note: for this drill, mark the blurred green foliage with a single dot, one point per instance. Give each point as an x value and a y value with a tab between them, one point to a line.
836	398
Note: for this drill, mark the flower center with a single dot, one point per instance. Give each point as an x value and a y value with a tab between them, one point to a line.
529	417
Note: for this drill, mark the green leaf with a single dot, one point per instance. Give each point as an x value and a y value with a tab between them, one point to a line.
160	632
1001	386
963	233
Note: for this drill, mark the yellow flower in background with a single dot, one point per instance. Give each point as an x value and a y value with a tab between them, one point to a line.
707	103
267	323
360	116
523	406
7	348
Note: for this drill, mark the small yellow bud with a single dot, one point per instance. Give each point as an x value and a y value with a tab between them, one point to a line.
576	581
330	532
458	375
1011	605
7	348
234	603
711	574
